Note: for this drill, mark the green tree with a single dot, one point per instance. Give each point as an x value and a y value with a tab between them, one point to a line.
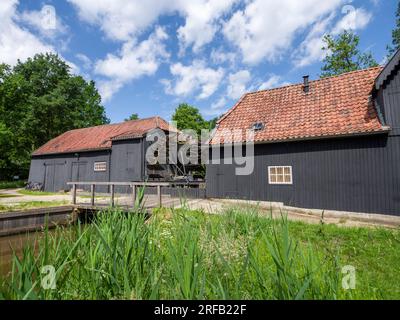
343	55
39	100
213	123
189	117
395	34
133	116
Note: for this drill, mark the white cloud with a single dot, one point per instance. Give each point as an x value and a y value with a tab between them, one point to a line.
195	78
120	19
108	88
126	20
16	42
85	60
354	19
264	29
201	21
238	84
274	81
123	20
134	61
216	107
46	21
219	56
310	50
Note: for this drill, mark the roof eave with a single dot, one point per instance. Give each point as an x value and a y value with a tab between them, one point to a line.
70	152
388	70
384	130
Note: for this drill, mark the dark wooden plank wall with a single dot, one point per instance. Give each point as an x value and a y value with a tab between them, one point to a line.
54	171
350	174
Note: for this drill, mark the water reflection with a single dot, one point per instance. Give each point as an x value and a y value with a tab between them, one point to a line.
11	244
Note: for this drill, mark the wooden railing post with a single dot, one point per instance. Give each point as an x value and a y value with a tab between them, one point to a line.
92	191
134	195
159	196
112	196
74	194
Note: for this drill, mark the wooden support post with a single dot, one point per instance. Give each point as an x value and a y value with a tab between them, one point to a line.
159	196
92	191
134	195
112	196
74	194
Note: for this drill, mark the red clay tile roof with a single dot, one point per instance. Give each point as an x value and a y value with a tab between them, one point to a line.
100	137
335	106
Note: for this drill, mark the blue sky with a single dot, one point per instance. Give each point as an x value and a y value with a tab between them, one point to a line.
148	56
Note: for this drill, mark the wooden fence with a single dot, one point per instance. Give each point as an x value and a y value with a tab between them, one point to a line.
189	190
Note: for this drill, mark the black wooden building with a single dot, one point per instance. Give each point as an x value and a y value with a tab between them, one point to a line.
108	153
330	144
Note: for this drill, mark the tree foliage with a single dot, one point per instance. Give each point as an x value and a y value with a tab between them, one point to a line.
343	55
395	34
39	100
189	117
133	116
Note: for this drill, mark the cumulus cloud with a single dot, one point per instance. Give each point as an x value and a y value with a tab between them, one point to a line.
196	78
133	61
310	50
264	29
238	84
201	21
85	61
45	21
354	19
274	81
108	88
126	20
123	20
15	41
219	56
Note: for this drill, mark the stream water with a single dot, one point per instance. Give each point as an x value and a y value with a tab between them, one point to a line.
16	243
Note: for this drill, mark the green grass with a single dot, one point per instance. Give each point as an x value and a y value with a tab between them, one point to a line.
31	205
179	254
12	184
36	193
8	195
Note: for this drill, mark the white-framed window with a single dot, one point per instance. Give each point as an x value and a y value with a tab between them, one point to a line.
280	175
100	166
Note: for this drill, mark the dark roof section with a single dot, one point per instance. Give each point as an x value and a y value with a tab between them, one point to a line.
391	67
334	106
100	137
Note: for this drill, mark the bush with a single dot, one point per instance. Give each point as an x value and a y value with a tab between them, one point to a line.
12	184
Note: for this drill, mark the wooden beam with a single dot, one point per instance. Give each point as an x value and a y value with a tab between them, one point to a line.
134	195
92	192
159	197
146	184
112	195
74	194
138	184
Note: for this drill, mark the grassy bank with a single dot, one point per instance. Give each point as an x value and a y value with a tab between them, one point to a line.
36	193
12	184
31	205
191	255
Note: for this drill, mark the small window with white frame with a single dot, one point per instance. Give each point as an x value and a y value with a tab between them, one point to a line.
280	175
100	166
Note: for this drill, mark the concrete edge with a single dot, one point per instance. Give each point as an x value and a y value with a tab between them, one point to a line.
355	216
